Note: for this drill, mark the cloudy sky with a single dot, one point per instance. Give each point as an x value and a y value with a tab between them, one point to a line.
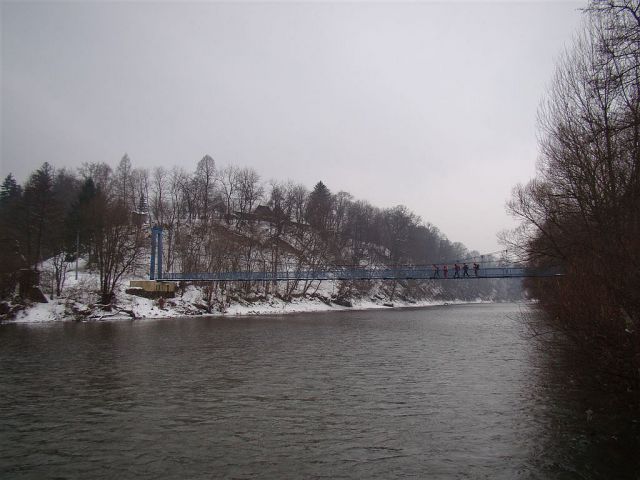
430	105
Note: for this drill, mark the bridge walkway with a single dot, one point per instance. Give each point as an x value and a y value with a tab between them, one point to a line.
355	273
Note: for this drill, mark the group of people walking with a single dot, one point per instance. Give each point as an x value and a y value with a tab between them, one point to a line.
456	270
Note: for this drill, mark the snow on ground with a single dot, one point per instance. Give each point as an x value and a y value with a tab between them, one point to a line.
42	312
58	310
79	296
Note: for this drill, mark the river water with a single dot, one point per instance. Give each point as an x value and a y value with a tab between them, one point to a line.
442	392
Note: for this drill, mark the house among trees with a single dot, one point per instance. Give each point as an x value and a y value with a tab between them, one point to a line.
263	212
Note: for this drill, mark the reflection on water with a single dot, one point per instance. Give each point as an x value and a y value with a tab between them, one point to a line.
431	393
592	428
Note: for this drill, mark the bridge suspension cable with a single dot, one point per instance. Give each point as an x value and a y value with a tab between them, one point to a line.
297	271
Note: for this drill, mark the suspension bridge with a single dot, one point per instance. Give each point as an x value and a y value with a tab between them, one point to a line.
347	272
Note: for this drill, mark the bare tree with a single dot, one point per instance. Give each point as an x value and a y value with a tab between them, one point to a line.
123	182
229	179
159	201
204	181
99	173
250	191
118	244
581	211
140	186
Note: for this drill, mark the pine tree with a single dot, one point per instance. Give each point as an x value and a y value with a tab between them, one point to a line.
41	211
11	223
319	207
9	191
81	219
11	217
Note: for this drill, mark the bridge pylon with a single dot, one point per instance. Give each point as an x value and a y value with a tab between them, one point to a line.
156	249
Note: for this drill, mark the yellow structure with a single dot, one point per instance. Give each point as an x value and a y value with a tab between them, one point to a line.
153	286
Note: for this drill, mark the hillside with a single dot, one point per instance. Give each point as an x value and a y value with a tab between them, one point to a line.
214	220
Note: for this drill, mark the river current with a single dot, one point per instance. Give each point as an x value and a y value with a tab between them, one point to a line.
441	392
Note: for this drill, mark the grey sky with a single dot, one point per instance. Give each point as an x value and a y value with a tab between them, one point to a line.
430	105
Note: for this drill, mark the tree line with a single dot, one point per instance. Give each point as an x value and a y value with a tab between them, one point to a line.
214	219
582	210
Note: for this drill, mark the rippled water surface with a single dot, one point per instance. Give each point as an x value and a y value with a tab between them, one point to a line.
443	392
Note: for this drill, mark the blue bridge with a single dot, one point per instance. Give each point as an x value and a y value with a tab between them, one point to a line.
357	273
402	272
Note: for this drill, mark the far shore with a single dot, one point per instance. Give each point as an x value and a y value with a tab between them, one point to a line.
144	309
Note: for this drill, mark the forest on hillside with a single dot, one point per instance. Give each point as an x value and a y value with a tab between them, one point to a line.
213	219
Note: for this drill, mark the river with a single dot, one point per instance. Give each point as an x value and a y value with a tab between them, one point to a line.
441	392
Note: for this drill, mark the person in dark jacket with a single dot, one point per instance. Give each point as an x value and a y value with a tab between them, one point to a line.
436	271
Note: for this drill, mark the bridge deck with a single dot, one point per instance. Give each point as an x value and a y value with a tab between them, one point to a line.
403	273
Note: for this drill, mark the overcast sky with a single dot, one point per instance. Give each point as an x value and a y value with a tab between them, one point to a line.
430	105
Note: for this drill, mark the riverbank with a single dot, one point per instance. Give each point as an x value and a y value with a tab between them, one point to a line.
132	307
78	301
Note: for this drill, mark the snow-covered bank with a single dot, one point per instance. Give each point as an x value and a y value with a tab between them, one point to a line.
79	297
76	304
142	308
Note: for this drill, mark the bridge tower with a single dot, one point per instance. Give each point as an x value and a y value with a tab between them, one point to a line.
156	248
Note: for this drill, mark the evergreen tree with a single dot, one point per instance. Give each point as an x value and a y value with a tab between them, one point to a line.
11	259
9	191
81	218
10	209
319	207
41	211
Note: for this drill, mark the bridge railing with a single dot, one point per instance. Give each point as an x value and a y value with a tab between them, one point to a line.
357	273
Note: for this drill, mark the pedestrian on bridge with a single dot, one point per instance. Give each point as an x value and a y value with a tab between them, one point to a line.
445	270
465	270
436	271
456	273
476	267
